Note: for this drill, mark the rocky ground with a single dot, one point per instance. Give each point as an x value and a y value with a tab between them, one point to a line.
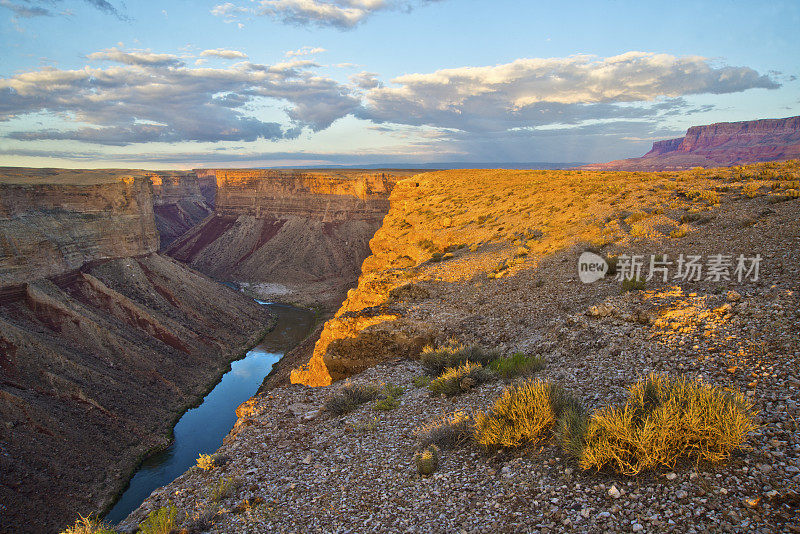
293	467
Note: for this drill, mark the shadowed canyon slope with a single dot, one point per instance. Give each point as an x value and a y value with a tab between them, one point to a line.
721	144
103	341
182	200
289	235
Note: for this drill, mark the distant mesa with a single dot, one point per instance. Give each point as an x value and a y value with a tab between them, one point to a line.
717	145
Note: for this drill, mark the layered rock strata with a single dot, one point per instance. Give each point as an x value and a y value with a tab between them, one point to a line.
720	144
182	201
103	341
293	236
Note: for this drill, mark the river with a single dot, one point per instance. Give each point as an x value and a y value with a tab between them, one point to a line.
201	429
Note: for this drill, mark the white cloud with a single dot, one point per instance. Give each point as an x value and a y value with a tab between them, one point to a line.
155	97
223	53
305	51
342	14
535	92
135	57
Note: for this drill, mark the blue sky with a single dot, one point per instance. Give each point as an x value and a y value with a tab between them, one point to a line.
183	84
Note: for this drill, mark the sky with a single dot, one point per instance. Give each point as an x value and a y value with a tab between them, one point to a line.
180	84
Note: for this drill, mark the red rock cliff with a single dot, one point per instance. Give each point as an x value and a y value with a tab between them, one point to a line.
720	144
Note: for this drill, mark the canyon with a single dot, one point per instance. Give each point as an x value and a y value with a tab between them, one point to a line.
715	145
104	341
113	319
293	236
490	257
182	200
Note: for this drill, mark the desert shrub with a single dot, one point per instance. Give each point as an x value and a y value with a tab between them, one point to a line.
422	381
386	403
427	461
520	416
633	284
680	231
205	462
391	390
89	525
224	488
636	217
517	364
789	194
696	217
161	521
455	380
428	245
612	262
710	197
751	189
448	432
571	429
664	420
350	397
388	400
453	354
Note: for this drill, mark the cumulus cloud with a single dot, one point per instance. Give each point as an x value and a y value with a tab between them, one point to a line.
223	53
535	92
155	97
341	14
511	110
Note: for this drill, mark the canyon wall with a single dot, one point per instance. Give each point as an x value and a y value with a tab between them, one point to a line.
293	236
51	222
104	342
181	201
720	144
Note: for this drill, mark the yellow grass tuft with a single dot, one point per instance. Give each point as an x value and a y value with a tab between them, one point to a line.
520	416
664	420
89	525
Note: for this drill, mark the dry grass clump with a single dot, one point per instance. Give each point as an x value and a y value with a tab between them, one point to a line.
455	380
89	525
522	415
427	461
224	488
350	397
448	432
206	462
161	521
517	364
666	419
452	354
